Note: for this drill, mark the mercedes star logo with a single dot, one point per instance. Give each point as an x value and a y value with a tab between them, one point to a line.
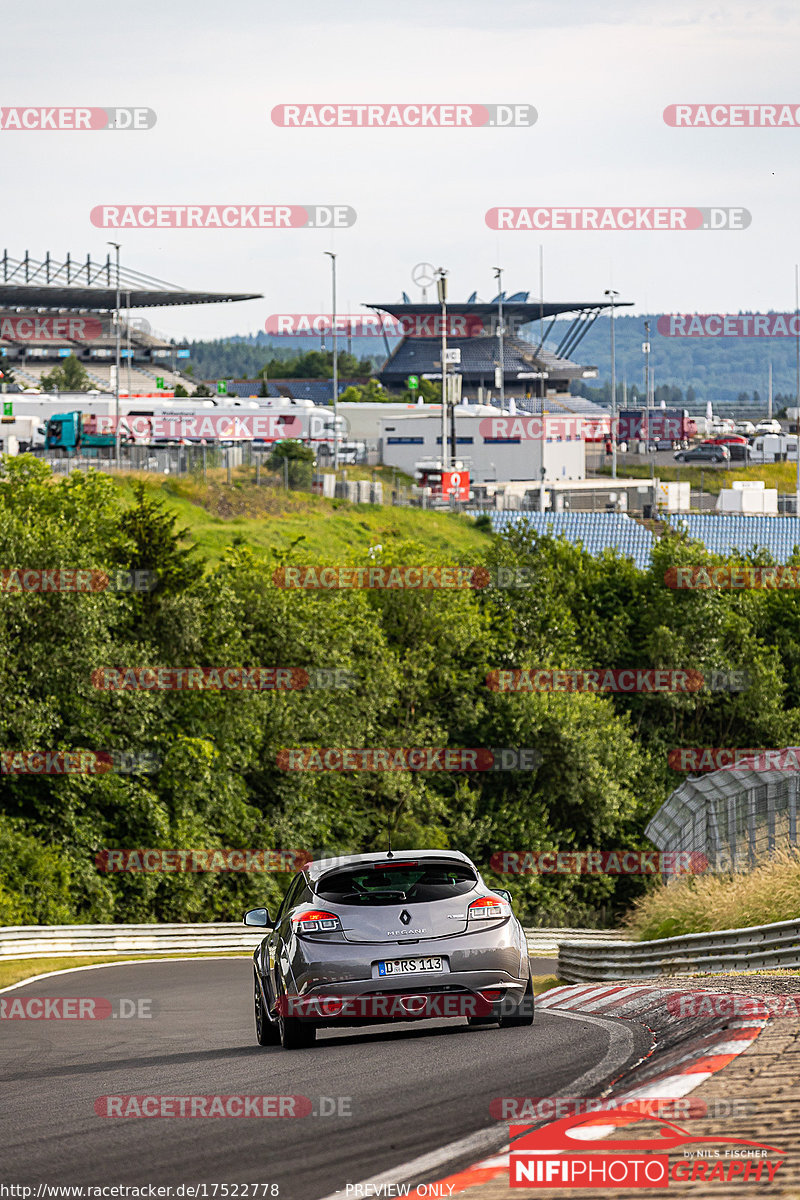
423	274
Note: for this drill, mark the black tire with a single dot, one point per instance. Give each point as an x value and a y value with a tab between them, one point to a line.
296	1034
523	1014
267	1032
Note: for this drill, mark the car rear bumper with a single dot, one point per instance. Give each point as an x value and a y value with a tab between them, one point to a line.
491	960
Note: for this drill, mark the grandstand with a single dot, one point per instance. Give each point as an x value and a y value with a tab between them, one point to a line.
596	532
721	533
529	369
50	310
727	533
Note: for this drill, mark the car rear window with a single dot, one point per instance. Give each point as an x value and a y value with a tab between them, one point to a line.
413	882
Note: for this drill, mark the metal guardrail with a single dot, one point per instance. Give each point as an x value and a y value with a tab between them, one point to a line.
62	941
547	941
756	947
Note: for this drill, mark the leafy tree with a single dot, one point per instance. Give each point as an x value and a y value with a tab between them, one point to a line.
296	459
371	392
69	376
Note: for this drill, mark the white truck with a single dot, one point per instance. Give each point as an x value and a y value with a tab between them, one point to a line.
774	447
21	434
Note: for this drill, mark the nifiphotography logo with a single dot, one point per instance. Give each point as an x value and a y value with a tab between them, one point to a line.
541	1158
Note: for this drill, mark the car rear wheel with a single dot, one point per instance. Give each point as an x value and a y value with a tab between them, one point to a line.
267	1033
296	1034
523	1015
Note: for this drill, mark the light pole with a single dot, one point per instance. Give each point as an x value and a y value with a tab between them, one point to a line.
332	257
116	246
797	384
441	288
498	274
646	421
610	292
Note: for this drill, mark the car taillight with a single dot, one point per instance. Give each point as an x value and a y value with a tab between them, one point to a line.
488	908
316	921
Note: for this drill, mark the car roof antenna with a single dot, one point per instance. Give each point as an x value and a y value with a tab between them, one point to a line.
389	836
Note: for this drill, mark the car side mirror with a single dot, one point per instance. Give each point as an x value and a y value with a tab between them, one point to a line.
258	916
504	893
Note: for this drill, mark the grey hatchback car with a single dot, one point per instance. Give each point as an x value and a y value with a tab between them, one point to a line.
384	937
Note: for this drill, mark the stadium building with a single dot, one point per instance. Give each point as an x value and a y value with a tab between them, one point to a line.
50	310
530	372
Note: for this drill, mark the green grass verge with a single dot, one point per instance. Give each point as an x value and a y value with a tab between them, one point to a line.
704	903
543	983
782	476
14	970
219	515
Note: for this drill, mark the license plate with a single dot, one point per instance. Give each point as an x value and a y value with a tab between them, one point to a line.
408	966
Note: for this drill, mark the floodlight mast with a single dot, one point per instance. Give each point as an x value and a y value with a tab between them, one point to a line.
332	257
116	246
610	292
441	287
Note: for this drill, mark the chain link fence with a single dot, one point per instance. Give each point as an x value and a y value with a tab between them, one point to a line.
736	817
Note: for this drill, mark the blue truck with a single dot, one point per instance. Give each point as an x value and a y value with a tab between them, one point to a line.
75	433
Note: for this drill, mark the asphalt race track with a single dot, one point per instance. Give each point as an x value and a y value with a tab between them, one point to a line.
400	1091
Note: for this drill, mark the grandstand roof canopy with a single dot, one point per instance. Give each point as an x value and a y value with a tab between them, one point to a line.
531	311
91	286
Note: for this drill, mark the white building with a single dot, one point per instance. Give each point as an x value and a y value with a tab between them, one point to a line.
492	445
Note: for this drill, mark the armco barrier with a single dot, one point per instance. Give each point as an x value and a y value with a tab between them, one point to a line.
61	941
758	946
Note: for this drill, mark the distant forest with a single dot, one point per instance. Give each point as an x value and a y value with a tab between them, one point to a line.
698	369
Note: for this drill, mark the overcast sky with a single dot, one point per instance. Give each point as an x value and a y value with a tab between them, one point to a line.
599	76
